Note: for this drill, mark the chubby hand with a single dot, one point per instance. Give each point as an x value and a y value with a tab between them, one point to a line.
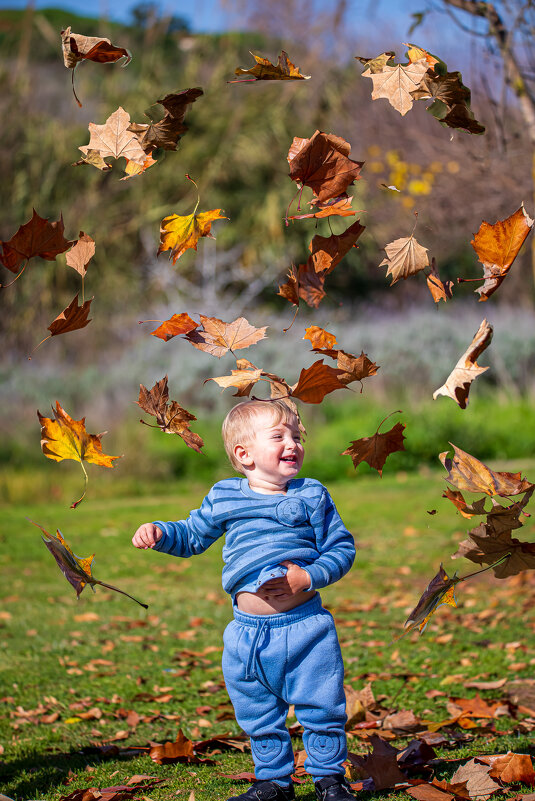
295	580
147	536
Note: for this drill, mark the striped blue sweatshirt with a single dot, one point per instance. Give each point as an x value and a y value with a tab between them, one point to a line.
302	526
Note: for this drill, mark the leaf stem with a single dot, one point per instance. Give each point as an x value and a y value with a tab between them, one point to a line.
37	346
116	589
489	567
5	286
74	504
398	411
198	194
72	84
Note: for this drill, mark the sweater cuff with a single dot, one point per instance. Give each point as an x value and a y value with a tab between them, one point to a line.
160	545
317	576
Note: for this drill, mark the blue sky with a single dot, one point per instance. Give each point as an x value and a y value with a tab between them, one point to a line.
369	18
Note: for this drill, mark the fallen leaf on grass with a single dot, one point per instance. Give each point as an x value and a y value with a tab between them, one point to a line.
458	383
65	438
240	777
264	70
478	782
510	768
381	764
497	247
170	416
181	750
376	449
76	569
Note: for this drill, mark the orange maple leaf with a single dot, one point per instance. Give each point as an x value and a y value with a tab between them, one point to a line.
320	338
315	382
178	324
65	438
328	251
323	164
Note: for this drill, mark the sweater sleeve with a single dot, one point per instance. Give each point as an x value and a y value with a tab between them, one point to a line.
193	535
336	547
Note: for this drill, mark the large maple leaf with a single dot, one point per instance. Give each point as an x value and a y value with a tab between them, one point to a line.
65	438
323	164
497	247
451	100
376	449
72	318
315	382
354	368
217	338
486	547
166	131
264	70
76	569
457	385
38	237
381	764
467	473
114	138
328	251
304	283
404	257
170	416
396	83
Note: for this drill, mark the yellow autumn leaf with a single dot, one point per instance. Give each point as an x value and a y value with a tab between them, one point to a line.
179	233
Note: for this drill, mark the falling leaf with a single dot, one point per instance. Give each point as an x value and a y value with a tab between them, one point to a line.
451	100
315	382
94	158
415	53
38	237
497	247
115	139
81	253
381	764
264	70
180	233
71	319
440	590
404	257
244	379
77	47
65	438
319	338
485	548
458	383
133	168
467	473
440	290
178	324
379	62
323	164
354	368
396	83
334	207
328	251
167	131
76	569
304	283
375	450
170	416
217	338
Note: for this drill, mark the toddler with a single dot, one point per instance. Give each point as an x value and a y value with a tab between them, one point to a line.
284	541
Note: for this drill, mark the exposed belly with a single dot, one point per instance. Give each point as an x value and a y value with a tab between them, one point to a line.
253	604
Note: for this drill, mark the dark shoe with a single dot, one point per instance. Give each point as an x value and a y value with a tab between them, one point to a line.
266	791
333	788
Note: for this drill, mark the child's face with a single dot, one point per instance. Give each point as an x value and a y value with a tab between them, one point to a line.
274	455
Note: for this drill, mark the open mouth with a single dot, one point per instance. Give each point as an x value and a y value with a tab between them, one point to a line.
289	459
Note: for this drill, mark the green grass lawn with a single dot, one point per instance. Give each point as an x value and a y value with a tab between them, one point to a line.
103	656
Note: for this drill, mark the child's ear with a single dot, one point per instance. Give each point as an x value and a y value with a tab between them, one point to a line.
243	456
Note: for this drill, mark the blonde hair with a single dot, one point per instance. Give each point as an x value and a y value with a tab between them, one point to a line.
241	423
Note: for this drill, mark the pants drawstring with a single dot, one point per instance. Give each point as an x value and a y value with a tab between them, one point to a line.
250	670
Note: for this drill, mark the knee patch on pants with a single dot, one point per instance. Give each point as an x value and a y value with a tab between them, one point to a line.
324	746
266	748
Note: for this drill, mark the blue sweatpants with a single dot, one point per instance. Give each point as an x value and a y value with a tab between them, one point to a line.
272	661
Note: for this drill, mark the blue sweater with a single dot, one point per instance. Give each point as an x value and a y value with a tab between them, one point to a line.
302	526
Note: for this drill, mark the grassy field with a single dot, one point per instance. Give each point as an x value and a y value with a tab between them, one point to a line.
76	675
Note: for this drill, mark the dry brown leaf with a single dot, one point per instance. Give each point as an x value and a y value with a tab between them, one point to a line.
485	547
335	207
328	251
478	782
217	337
264	70
396	83
467	473
77	47
376	449
381	764
170	416
114	139
166	133
404	257
440	290
510	768
38	237
304	283
323	164
497	247
354	368
178	324
457	385
81	253
71	319
243	379
315	382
